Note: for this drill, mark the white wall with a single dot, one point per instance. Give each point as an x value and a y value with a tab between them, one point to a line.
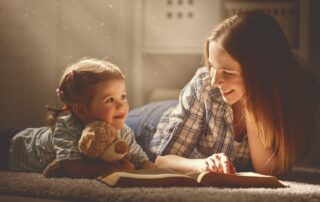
27	60
39	38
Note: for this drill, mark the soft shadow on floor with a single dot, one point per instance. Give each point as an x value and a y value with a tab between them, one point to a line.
305	175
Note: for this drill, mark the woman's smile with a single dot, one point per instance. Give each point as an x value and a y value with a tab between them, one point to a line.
226	92
226	74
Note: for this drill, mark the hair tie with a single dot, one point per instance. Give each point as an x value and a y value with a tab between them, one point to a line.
65	108
59	92
72	73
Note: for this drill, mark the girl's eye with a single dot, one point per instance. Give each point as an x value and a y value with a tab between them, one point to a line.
123	97
109	100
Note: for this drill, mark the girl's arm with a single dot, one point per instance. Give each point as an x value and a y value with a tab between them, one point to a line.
262	158
135	151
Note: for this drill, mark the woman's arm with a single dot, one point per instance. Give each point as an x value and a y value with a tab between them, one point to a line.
179	163
262	158
215	163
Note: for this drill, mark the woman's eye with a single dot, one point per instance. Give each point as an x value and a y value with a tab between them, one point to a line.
109	100
227	73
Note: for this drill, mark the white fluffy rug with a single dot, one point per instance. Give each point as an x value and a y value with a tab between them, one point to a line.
304	185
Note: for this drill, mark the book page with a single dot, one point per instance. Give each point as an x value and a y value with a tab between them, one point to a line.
169	178
252	174
148	178
241	179
147	173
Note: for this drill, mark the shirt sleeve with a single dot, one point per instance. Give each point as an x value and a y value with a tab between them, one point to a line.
182	133
65	141
136	154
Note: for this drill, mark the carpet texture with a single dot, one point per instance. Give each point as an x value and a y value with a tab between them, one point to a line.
304	185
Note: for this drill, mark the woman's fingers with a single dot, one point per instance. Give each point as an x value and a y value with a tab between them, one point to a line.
233	169
212	165
218	163
225	164
204	167
218	166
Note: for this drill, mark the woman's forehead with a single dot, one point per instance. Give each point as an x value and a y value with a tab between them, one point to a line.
220	58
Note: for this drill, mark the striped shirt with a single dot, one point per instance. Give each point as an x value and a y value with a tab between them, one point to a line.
33	149
200	125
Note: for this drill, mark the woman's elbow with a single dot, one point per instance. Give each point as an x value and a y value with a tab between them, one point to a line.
274	171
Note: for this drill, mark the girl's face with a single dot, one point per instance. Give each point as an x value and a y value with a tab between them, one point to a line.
109	103
226	74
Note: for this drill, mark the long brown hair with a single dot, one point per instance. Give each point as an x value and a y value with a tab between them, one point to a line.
281	95
77	82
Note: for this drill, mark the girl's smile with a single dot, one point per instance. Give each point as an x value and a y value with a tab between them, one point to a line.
120	116
109	103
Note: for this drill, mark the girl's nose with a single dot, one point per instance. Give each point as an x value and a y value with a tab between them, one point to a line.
119	103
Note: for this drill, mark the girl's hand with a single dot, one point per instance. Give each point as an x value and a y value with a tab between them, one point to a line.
125	164
148	165
218	163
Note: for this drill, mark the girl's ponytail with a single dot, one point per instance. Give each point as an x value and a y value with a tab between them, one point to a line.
54	112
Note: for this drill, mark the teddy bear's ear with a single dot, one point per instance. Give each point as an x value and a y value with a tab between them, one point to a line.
85	142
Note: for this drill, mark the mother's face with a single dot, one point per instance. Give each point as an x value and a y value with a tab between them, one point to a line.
226	74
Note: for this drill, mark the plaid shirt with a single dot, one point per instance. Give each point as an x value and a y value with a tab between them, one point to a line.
200	125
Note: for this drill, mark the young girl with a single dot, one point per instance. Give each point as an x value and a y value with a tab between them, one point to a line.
90	90
253	105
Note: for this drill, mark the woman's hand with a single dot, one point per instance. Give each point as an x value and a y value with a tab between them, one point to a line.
218	163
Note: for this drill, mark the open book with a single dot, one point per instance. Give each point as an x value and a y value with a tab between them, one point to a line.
169	178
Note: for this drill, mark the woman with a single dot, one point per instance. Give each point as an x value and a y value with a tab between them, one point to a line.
253	105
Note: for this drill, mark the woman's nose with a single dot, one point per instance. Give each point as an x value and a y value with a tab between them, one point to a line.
215	78
217	81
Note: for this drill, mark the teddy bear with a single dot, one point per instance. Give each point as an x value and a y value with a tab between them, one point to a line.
98	140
